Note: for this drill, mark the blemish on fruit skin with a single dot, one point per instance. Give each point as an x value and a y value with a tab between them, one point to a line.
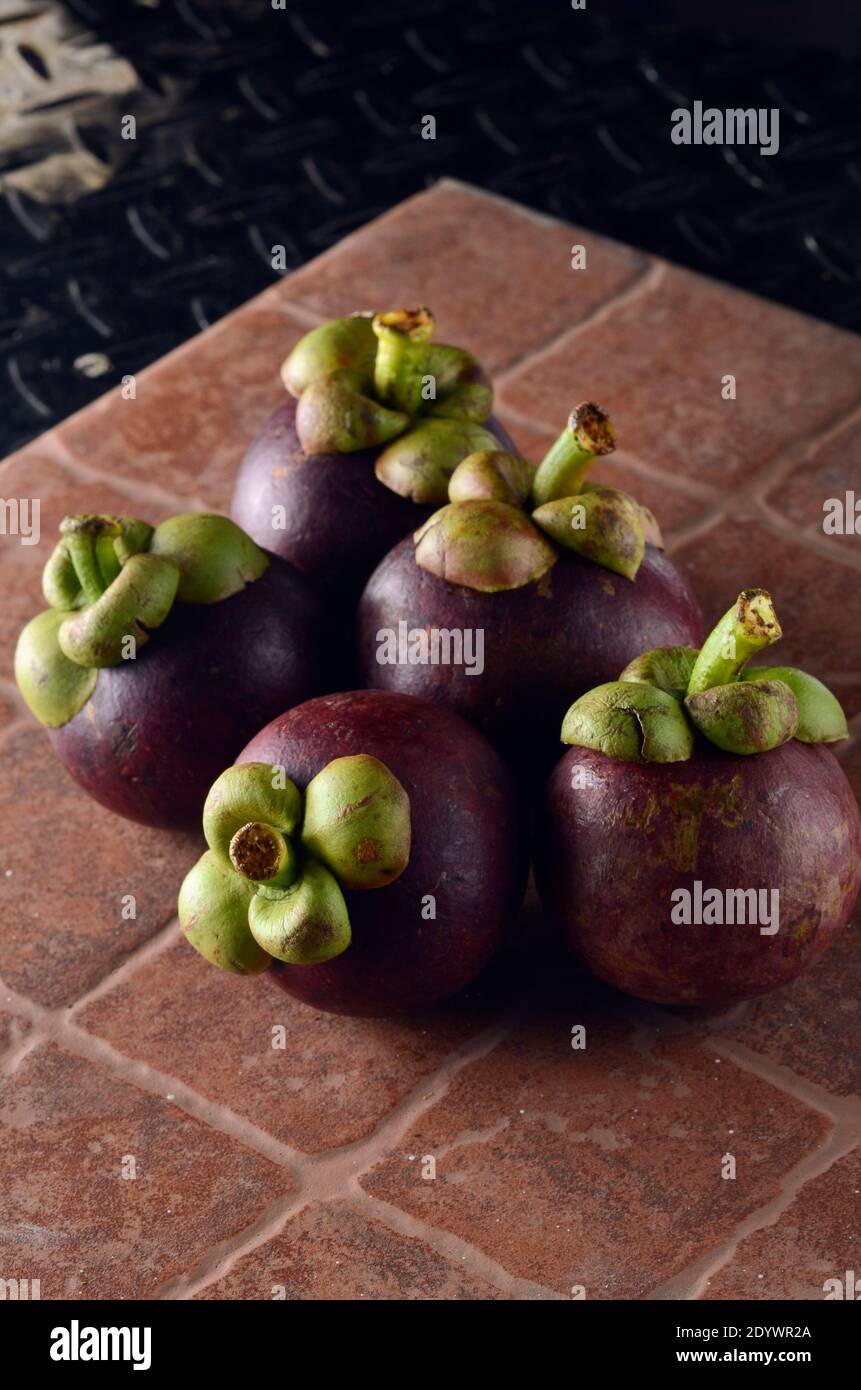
368	851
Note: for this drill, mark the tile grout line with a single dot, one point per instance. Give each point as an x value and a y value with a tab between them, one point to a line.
844	1135
643	281
334	1174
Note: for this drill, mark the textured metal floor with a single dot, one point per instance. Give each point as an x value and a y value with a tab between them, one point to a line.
257	127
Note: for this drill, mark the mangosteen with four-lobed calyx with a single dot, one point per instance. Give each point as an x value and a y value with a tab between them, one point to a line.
377	417
368	848
699	842
528	585
163	649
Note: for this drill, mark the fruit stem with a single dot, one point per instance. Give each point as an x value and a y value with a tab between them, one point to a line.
262	854
588	434
402	337
744	629
82	536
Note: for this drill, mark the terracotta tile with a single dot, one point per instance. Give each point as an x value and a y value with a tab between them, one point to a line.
817	1238
196	411
331	1083
828	475
65	872
71	1220
35	474
813	1026
497	277
598	1167
818	603
12	1026
657	363
338	1253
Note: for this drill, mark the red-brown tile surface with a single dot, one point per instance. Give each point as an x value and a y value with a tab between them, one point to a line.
195	413
12	1025
818	602
814	1025
70	1217
808	1253
599	1167
328	1082
556	1167
657	364
497	277
338	1253
65	867
807	497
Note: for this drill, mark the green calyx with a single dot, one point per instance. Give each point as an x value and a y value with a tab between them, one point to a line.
378	379
631	722
820	714
484	545
498	501
111	581
271	882
667	668
743	711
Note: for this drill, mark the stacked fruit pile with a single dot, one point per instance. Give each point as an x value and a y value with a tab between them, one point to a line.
372	847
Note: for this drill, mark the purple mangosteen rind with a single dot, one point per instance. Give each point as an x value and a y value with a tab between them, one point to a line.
437	834
693	772
619	845
111	581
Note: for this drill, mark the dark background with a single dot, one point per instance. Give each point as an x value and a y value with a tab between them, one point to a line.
257	127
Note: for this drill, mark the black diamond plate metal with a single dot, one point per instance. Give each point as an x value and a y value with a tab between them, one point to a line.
258	127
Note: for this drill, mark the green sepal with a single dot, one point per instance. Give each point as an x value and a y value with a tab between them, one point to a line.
751	716
420	463
820	714
305	924
603	526
246	793
138	600
213	913
667	668
357	821
215	557
483	545
53	687
630	722
347	344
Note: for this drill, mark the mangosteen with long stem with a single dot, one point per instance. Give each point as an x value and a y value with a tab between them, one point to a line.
161	652
377	417
699	842
528	585
368	847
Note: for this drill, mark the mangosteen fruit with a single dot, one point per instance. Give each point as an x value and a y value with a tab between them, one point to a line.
699	842
360	453
367	847
528	586
162	651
